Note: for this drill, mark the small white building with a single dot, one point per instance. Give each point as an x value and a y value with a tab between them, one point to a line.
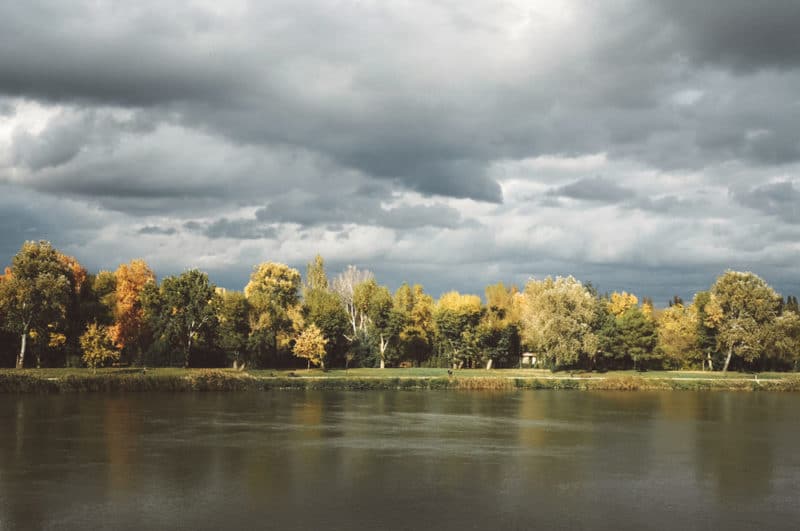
527	358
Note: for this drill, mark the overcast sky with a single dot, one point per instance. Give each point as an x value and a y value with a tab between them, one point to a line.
645	145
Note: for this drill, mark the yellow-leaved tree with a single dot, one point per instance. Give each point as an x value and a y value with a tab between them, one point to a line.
678	337
619	303
310	344
98	347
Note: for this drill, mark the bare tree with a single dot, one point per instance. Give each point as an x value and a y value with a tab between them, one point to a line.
345	286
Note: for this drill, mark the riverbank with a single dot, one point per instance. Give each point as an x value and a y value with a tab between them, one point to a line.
179	380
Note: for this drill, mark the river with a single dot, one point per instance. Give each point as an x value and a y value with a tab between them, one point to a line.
439	460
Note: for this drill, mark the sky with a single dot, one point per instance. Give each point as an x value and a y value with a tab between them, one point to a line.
645	145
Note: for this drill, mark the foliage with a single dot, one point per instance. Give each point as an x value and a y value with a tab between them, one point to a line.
35	293
455	318
415	339
742	308
181	312
98	347
233	316
638	336
130	331
619	303
273	294
310	345
678	337
557	317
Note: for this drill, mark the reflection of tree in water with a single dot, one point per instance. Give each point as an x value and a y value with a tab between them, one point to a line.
733	442
121	430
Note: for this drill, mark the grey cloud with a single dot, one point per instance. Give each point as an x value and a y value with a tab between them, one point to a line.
240	229
156	230
780	199
7	108
594	189
354	209
742	34
325	120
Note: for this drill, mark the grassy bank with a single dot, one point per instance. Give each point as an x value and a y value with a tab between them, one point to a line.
106	380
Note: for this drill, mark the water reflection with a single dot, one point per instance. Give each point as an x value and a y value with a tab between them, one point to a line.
395	460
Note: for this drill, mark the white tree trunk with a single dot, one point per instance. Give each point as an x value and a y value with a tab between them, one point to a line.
727	360
489	364
21	357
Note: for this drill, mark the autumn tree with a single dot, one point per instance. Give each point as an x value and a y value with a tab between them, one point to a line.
498	332
557	317
415	339
35	293
322	307
97	346
678	337
181	311
273	294
746	306
455	317
310	345
130	331
619	303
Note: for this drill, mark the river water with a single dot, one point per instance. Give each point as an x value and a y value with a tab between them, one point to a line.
401	460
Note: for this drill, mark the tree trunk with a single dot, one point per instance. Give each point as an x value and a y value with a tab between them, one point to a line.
322	364
188	352
21	357
383	363
489	364
727	360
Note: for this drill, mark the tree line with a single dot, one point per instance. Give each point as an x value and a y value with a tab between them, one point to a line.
53	313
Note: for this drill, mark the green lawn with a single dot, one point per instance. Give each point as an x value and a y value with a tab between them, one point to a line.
403	373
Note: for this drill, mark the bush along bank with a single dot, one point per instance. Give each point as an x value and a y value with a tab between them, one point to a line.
220	380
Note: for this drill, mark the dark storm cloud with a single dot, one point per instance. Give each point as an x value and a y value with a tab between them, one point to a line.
780	199
371	126
742	34
594	189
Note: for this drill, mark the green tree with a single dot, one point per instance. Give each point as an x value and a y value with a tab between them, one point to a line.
97	346
233	315
35	293
638	336
498	332
706	329
557	318
384	322
181	311
748	306
456	317
785	339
